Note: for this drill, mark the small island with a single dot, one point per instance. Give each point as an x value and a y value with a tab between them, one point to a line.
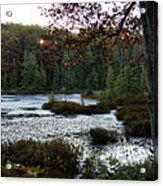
70	108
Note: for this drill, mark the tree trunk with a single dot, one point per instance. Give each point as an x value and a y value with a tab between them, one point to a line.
150	28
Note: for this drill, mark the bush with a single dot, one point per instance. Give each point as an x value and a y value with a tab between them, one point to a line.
61	160
56	158
101	136
138	128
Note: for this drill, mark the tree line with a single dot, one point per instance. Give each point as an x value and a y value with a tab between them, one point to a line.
69	61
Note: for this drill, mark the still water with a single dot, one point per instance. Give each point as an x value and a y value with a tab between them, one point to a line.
23	118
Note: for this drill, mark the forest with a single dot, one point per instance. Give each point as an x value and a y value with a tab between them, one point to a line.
70	62
86	88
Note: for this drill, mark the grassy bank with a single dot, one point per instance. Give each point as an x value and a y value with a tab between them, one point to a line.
134	113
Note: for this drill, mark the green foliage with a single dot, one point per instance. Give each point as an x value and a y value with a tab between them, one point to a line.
41	78
127	83
17	41
110	83
123	85
113	161
55	159
76	63
101	136
134	172
96	169
33	78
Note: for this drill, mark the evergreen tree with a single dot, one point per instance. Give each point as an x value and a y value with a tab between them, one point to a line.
128	83
110	82
41	78
32	76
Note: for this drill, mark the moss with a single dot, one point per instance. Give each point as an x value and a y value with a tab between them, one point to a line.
101	136
56	158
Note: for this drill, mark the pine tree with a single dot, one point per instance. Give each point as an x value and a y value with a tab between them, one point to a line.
110	82
32	77
128	83
41	78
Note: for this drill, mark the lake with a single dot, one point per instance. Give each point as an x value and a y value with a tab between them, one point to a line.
23	118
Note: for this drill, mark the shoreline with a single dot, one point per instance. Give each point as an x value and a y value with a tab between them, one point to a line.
10	92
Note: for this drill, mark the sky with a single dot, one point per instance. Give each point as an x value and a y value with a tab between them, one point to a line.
25	14
28	14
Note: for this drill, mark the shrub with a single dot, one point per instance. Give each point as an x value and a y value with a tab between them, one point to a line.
22	152
138	128
101	136
61	159
56	158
